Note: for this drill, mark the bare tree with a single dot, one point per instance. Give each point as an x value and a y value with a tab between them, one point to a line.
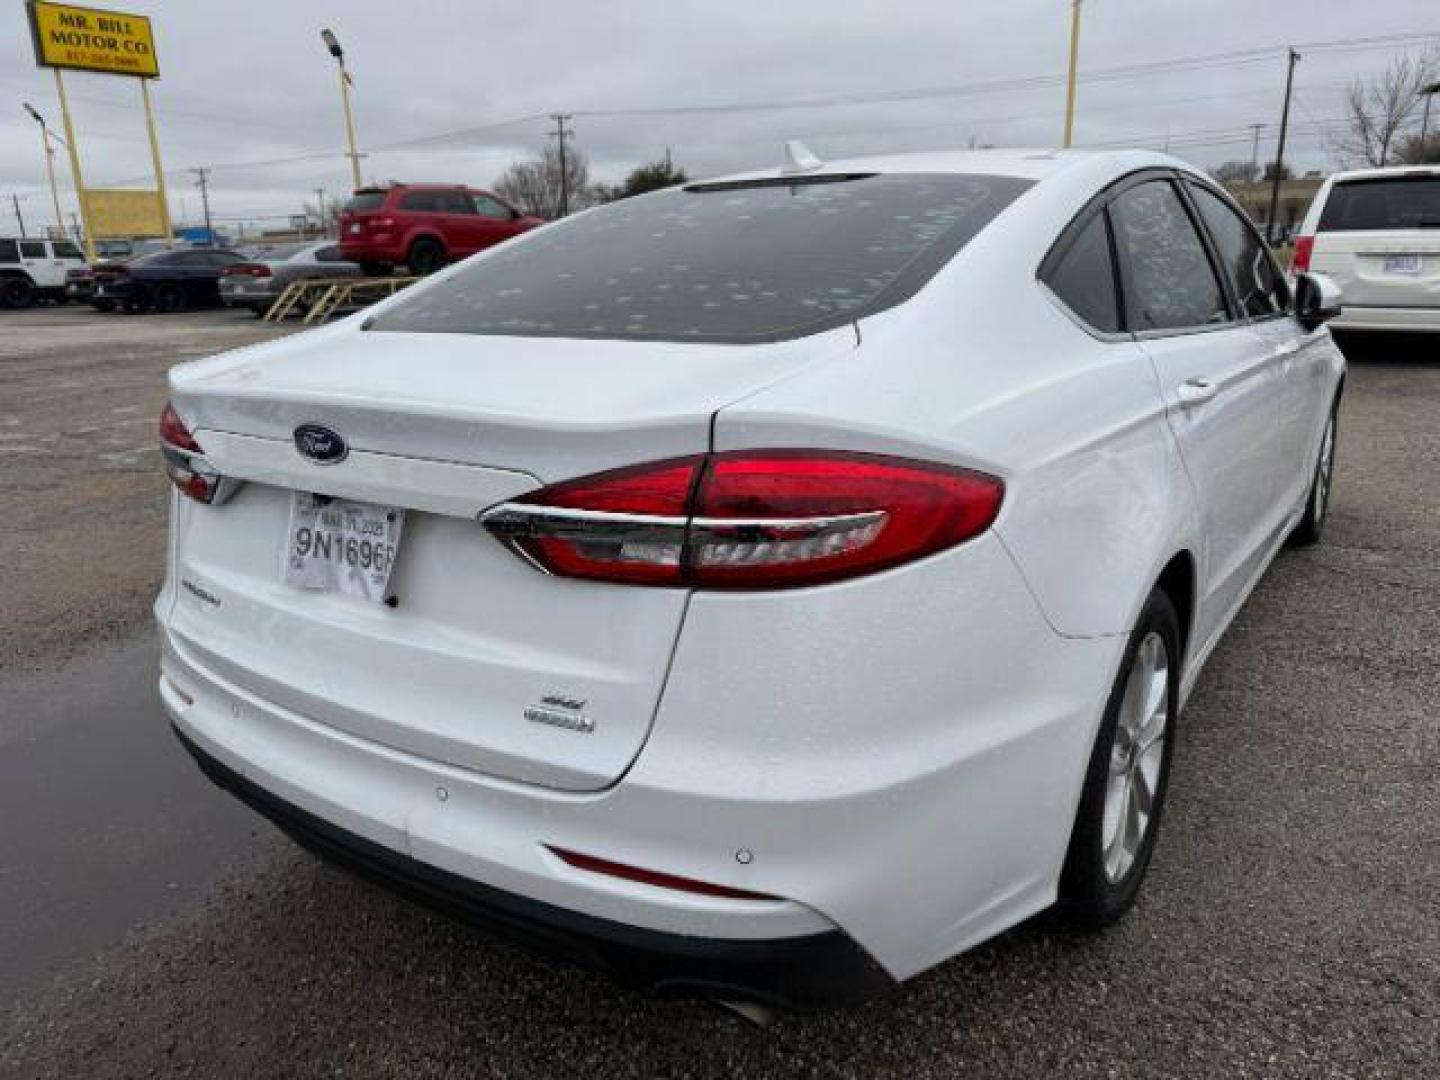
1380	110
534	185
1234	172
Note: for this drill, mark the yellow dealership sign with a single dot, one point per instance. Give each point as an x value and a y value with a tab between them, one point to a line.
118	212
92	40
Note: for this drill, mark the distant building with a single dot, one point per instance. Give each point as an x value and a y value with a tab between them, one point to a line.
1295	196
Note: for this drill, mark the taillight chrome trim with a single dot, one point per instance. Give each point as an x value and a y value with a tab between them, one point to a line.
512	522
182	464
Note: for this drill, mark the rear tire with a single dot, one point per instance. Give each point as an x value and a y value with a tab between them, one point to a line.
1317	503
103	305
1128	775
426	255
168	298
16	292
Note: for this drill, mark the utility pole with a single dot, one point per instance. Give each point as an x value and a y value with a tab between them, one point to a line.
1429	92
15	201
1070	79
1255	151
561	119
202	182
324	225
1280	149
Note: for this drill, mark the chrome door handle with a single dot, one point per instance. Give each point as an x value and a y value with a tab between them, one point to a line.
1194	391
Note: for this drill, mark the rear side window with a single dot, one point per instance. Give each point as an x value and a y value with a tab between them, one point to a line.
362	202
489	206
1392	202
422	201
735	262
9	251
64	249
32	249
330	254
1082	273
1259	288
454	202
1169	283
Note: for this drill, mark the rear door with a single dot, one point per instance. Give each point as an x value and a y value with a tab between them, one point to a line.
45	271
1220	383
1379	239
1263	299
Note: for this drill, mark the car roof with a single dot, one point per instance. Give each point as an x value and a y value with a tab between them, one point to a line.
1026	164
1386	172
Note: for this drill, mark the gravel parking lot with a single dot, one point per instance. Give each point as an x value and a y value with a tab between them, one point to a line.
1290	926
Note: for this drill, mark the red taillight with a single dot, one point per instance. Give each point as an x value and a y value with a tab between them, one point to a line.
749	519
174	432
1304	248
657	878
187	470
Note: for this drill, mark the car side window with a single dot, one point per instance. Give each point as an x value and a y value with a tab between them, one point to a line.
1169	283
32	249
329	254
454	202
424	201
9	251
489	206
1259	286
1081	272
64	249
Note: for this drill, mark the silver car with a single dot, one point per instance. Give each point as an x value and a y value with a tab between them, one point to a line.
258	283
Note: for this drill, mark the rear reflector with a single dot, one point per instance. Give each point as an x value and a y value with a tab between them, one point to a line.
755	519
654	877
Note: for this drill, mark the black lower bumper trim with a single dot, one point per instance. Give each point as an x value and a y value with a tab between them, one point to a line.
800	973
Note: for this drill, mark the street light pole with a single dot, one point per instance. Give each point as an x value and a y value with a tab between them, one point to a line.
1070	79
333	44
49	165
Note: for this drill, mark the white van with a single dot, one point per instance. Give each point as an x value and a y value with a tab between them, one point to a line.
1376	233
31	269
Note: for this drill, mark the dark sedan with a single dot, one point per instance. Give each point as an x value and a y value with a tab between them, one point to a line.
165	280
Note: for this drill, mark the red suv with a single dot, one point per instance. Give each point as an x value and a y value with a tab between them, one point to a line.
424	226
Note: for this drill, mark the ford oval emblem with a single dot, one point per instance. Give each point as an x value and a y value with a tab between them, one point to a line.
321	445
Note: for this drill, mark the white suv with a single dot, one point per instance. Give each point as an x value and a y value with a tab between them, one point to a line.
1376	233
35	268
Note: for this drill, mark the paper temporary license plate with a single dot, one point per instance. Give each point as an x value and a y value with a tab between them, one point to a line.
1402	264
341	546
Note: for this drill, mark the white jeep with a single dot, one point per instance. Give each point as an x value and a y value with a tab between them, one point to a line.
32	268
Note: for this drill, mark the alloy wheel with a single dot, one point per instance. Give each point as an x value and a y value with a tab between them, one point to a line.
1324	470
1136	756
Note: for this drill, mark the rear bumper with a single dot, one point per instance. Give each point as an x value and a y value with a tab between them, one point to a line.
804	972
372	251
1406	319
232	297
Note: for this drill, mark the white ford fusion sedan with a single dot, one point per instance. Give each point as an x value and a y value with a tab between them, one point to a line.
762	589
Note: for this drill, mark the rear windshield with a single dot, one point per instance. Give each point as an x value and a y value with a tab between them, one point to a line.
364	201
1399	202
735	262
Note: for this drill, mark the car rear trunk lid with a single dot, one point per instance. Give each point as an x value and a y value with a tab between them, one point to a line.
482	657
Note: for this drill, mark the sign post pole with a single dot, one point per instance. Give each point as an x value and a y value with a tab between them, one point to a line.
75	166
159	171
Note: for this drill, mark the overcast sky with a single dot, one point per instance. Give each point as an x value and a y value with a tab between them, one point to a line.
247	82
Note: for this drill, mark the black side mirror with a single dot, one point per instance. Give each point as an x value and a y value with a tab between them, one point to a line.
1317	300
